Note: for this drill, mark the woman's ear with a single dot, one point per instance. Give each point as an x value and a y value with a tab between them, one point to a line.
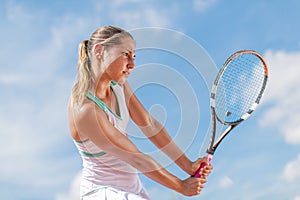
98	50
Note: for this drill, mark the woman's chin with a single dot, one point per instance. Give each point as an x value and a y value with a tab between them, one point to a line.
121	81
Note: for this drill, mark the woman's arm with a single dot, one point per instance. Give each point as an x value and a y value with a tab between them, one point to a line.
92	122
157	133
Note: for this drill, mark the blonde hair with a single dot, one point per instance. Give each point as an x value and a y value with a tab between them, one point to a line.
107	36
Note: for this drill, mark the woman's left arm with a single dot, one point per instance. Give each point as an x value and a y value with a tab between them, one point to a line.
156	132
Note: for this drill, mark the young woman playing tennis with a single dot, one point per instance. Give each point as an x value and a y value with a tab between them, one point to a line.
100	106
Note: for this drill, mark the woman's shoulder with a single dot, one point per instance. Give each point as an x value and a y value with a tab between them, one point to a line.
79	113
77	116
85	118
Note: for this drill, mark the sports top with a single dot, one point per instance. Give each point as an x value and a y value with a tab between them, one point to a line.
100	168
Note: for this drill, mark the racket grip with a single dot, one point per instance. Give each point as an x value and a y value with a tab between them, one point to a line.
208	157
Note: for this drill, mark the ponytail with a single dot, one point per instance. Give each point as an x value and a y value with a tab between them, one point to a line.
85	76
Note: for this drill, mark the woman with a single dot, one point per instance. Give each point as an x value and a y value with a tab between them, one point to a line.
100	106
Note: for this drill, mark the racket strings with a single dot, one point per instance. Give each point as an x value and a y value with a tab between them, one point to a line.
239	87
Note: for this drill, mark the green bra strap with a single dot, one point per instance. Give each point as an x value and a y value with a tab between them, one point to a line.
97	101
101	104
93	155
113	83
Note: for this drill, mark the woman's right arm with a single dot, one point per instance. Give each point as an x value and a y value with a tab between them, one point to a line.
92	122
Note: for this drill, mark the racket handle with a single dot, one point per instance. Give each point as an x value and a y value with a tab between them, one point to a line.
208	157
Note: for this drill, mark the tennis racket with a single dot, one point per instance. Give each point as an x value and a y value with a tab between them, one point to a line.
235	94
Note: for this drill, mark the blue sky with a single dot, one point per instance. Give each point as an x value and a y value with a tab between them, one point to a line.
39	40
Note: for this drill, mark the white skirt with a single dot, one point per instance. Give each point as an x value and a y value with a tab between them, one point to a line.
110	193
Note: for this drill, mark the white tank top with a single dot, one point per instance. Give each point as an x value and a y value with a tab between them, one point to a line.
100	168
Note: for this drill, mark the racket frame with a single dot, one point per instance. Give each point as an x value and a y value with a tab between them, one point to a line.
213	145
231	125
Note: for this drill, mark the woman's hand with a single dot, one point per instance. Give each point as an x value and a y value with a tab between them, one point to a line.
192	186
204	171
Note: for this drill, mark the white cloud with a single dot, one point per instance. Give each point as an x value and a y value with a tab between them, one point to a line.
283	94
16	12
150	16
10	78
73	192
122	2
34	118
291	171
137	14
203	5
297	198
225	182
32	131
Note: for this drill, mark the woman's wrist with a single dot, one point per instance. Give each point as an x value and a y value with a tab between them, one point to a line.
179	186
185	164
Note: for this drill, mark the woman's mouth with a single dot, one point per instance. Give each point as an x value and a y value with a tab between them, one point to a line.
126	73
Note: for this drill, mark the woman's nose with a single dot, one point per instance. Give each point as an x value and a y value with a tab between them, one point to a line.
131	64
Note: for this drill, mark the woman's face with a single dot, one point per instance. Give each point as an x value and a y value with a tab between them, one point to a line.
120	60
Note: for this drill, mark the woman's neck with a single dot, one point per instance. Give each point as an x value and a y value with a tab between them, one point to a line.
103	89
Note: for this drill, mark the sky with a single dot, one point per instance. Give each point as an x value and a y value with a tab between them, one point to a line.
39	44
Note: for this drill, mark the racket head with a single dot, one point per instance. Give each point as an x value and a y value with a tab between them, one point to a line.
236	92
239	87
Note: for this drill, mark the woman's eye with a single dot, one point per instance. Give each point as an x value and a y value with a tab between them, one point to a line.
128	55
